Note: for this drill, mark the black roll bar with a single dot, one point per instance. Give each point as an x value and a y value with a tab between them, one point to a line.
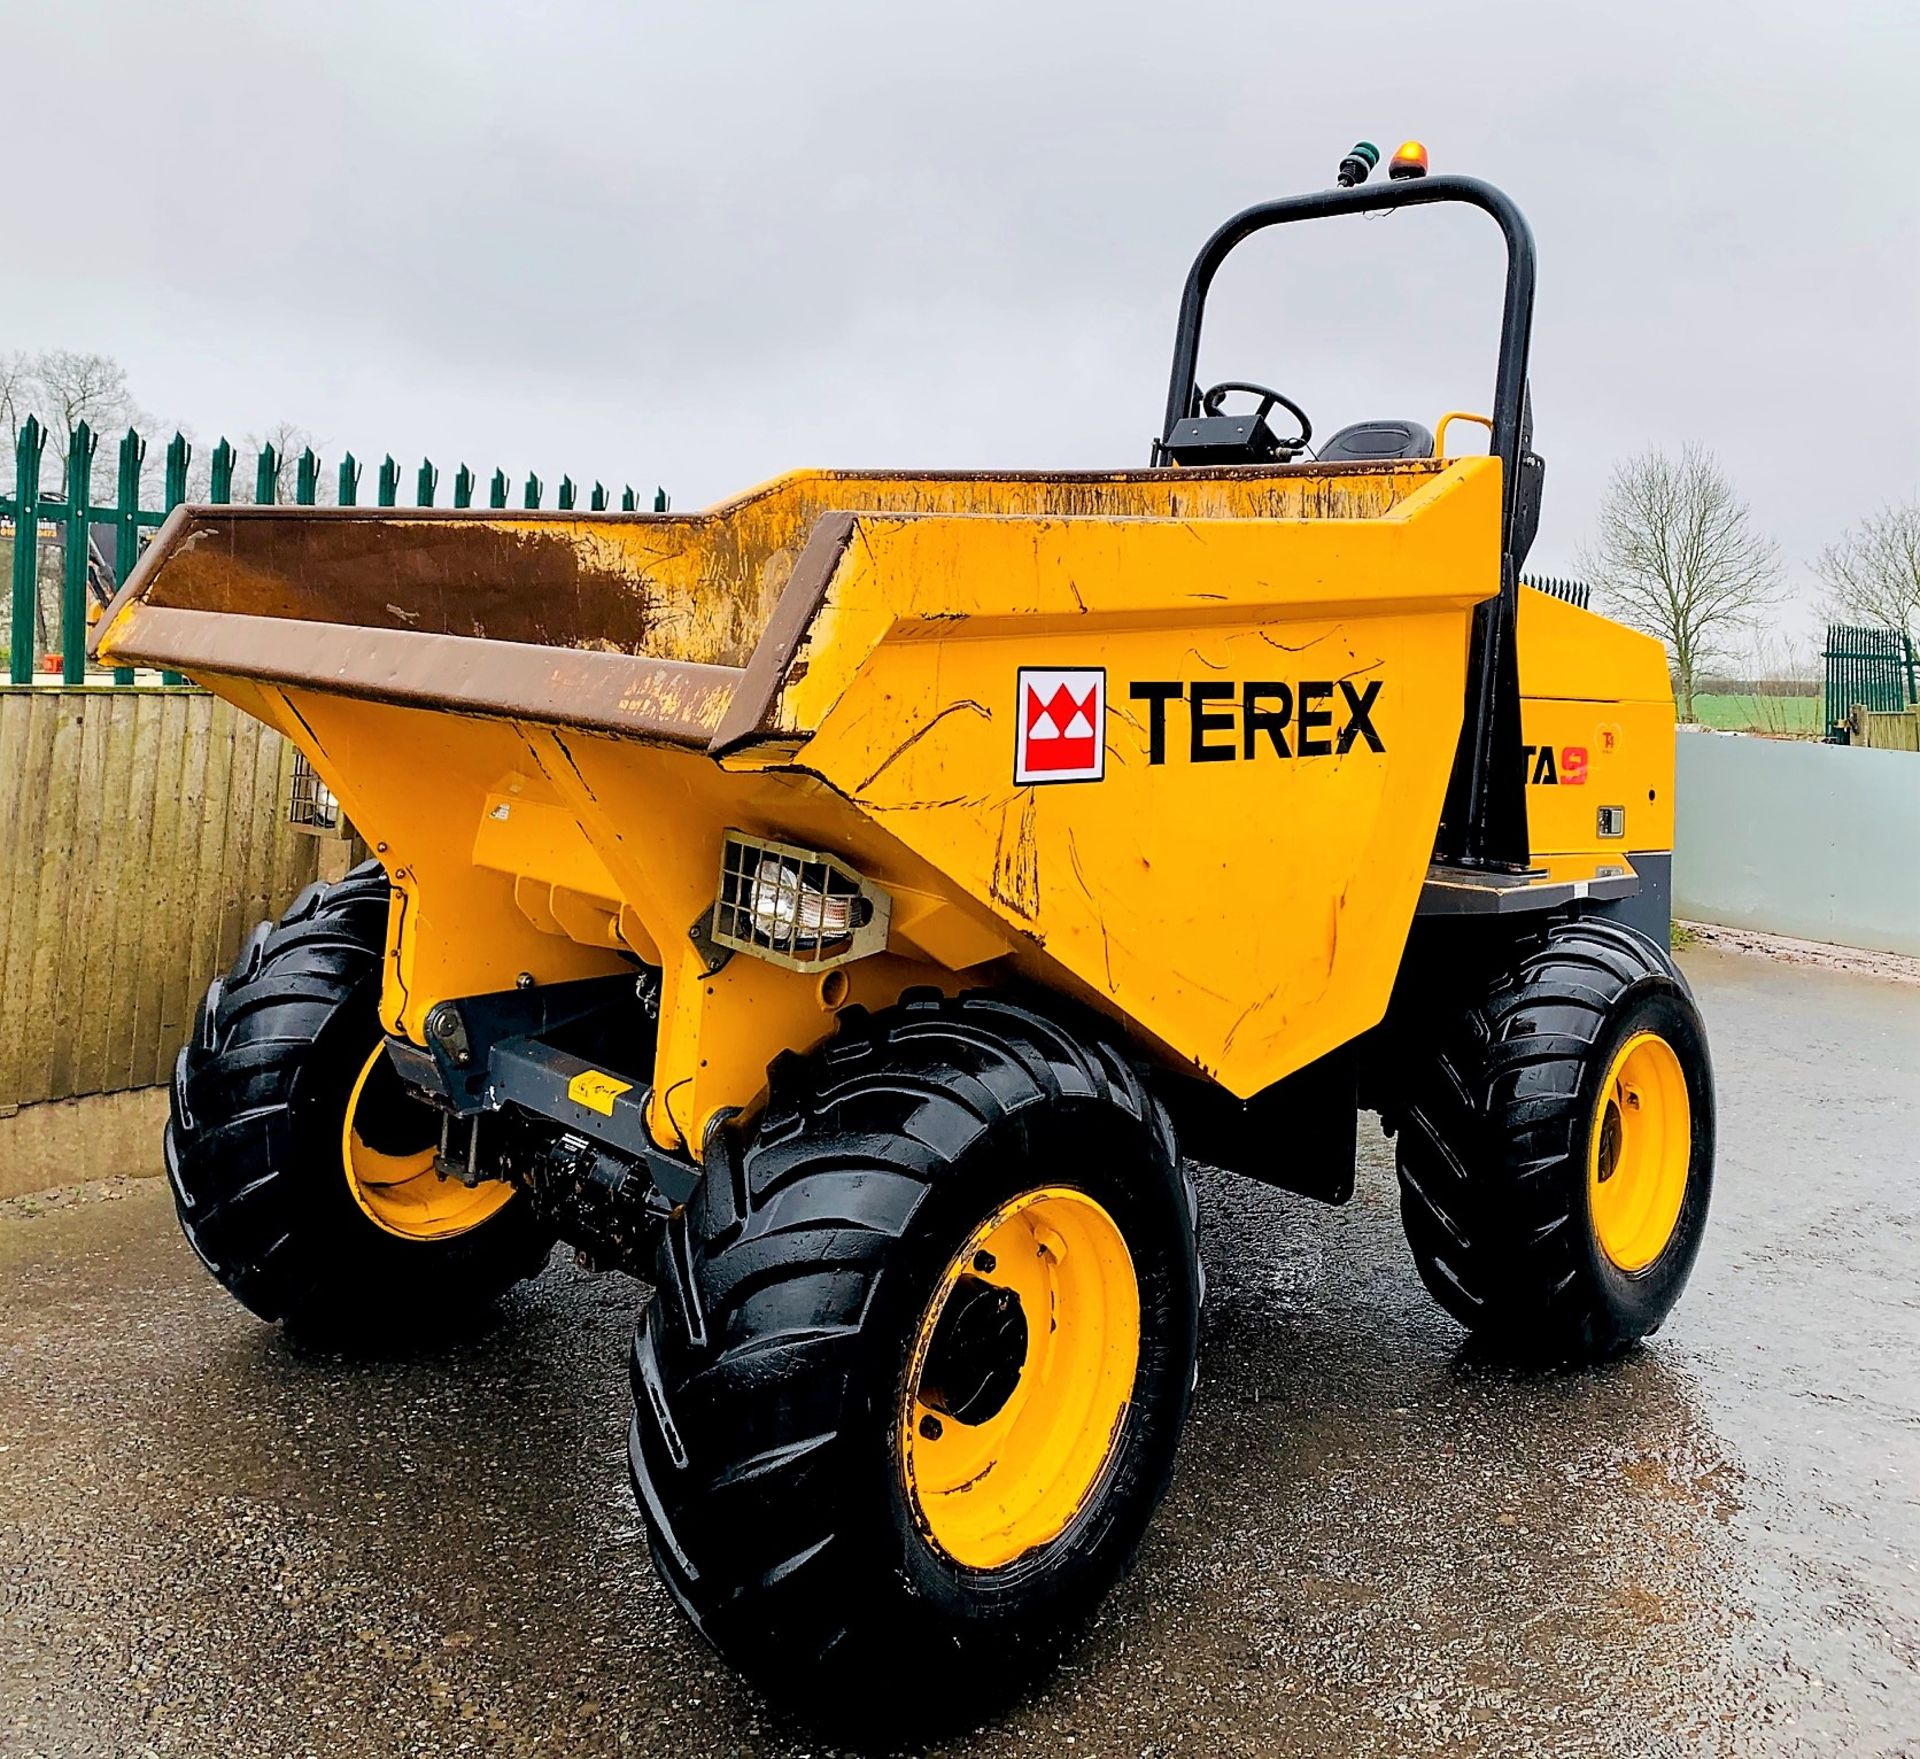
1484	823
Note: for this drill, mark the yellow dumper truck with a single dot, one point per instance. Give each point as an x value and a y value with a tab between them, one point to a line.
851	908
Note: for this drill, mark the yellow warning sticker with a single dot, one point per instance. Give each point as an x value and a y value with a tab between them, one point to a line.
596	1091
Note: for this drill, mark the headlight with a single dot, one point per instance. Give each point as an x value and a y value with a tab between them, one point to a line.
785	908
310	802
799	908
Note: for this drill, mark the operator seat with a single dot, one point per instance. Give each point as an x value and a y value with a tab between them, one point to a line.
1366	442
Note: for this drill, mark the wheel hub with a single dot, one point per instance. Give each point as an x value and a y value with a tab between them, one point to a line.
1609	1143
978	1349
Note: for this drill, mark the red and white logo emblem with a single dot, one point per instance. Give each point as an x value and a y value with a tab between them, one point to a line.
1062	726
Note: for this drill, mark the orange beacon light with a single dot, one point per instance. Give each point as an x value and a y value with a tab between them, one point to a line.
1409	160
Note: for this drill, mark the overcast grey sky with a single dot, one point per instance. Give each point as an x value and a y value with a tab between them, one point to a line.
700	244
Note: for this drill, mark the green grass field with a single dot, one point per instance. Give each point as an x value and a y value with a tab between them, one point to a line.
1760	714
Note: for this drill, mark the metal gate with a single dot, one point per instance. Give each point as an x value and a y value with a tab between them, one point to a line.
1869	667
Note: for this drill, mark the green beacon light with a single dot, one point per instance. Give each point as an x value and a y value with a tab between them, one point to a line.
1355	166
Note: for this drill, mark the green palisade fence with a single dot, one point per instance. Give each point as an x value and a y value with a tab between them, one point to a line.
74	520
1867	667
1575	592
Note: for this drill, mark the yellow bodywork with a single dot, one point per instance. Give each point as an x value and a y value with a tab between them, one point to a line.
1597	724
485	695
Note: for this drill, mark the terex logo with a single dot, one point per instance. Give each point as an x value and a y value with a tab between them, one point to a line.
1544	771
1061	726
1227	721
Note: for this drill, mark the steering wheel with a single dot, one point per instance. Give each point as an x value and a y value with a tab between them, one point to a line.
1211	400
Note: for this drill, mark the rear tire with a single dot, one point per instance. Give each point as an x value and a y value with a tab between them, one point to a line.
775	1371
1507	1122
253	1143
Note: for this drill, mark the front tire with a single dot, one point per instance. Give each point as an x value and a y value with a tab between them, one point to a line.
301	1169
1556	1146
954	1260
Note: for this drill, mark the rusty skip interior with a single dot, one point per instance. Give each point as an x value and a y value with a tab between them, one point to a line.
668	626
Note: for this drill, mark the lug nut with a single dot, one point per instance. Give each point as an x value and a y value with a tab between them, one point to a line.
984	1263
930	1428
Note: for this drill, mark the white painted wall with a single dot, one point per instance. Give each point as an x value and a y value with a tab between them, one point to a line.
1817	841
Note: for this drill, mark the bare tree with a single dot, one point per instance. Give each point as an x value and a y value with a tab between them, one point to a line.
153	471
288	440
18	394
63	389
1676	554
16	386
1872	574
71	388
1781	685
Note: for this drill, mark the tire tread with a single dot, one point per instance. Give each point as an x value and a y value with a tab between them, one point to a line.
1492	1204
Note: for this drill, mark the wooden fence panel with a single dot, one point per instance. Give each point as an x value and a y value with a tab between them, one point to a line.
1887	732
141	837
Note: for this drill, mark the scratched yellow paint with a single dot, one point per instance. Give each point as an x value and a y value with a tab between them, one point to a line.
1236	907
1248	914
1597	699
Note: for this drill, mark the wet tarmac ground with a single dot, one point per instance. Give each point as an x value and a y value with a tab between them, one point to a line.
212	1543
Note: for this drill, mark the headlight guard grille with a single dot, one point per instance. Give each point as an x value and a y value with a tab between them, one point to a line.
802	909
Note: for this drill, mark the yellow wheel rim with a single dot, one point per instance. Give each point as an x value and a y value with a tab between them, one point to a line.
1020	1379
1639	1151
391	1175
